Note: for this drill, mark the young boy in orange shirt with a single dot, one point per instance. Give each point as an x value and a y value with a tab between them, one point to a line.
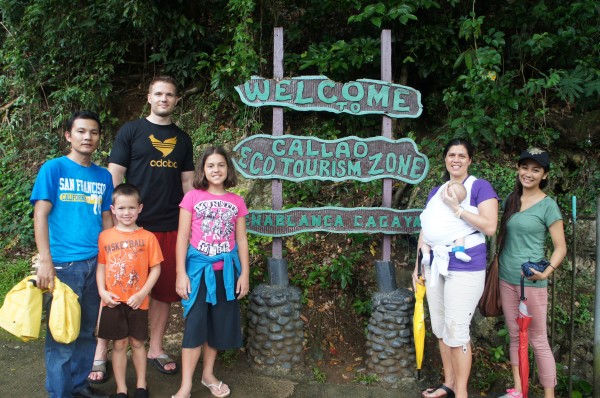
128	266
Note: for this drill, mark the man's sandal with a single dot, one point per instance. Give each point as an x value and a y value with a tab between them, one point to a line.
161	361
99	367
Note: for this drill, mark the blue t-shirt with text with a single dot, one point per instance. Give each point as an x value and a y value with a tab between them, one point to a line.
79	195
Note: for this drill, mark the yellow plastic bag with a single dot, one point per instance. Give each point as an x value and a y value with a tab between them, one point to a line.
21	313
65	313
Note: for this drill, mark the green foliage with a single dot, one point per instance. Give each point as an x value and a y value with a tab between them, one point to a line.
234	59
365	379
318	274
482	107
486	374
16	226
318	375
393	11
257	248
362	307
580	388
584	309
506	95
341	56
228	357
341	270
12	271
498	354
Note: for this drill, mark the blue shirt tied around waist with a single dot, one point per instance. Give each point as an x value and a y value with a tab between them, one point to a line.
198	264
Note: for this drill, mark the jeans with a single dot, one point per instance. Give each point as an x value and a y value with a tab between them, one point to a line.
68	365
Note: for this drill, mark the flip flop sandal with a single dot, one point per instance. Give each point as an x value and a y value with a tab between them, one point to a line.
99	367
217	387
160	361
449	393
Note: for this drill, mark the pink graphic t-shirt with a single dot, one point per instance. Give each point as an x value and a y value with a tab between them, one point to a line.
213	221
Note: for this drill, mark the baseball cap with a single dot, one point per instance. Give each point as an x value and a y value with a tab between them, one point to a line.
537	154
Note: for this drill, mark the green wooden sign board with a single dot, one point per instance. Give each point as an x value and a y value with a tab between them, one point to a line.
318	93
297	158
333	219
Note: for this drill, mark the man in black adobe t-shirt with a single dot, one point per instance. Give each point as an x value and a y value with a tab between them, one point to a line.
156	156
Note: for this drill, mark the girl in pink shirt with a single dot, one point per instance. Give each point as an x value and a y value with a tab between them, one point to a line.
212	268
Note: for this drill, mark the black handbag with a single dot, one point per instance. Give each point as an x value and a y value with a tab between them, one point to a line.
539	266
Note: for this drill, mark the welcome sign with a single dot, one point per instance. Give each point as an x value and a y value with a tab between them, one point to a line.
318	93
297	158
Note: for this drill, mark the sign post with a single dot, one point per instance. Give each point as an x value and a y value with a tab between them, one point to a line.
277	265
274	309
386	275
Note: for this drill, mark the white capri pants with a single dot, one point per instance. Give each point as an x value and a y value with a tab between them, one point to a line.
452	302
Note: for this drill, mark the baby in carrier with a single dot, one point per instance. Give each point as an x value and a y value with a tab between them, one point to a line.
459	191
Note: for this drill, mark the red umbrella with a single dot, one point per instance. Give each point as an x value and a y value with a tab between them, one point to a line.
523	320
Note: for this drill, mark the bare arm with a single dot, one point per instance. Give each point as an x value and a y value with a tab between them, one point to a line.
46	271
241	239
107	220
118	173
557	233
187	181
107	297
182	284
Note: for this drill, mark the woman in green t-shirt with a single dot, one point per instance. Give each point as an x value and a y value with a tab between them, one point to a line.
529	214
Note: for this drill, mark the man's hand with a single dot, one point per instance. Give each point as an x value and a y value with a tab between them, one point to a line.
45	274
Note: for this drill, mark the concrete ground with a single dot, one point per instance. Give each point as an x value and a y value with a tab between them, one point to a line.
23	375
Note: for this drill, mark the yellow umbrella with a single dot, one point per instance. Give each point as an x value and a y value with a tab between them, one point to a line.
419	321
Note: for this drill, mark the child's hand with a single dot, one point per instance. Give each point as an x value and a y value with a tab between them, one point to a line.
243	286
182	286
136	300
109	298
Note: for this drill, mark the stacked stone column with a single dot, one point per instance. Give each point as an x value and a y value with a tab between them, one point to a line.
390	348
275	330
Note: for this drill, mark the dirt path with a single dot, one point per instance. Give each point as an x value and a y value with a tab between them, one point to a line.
23	368
24	373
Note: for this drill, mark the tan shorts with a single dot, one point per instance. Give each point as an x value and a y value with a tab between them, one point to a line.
452	302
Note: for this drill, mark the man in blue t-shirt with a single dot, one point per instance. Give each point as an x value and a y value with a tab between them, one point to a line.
71	199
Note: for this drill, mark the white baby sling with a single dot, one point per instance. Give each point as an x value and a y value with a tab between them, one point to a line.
438	214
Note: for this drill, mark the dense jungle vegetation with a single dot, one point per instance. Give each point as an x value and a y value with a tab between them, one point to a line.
504	74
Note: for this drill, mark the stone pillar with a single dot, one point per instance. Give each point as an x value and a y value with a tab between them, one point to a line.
275	330
390	348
